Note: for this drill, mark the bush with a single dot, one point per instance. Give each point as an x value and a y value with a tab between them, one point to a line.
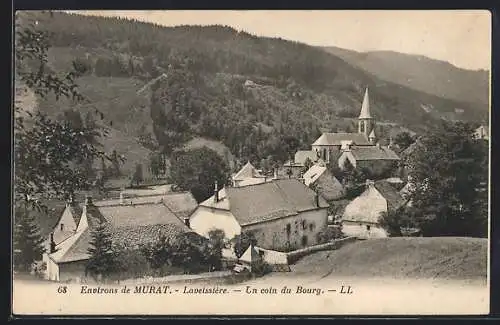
261	268
329	234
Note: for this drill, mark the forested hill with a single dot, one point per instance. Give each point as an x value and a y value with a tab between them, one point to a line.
296	90
422	73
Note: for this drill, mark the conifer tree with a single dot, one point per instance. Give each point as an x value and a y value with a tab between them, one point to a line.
102	261
28	241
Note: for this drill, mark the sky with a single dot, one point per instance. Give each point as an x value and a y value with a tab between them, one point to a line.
461	37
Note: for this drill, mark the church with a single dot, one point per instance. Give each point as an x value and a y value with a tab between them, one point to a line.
328	143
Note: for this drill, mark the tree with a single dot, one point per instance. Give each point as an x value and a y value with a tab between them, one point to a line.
447	169
187	254
197	170
28	242
137	176
102	261
159	253
216	243
157	164
404	140
48	154
242	242
115	164
307	164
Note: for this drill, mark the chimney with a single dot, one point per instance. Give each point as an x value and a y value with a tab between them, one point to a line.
275	173
122	198
88	200
316	199
369	183
186	222
52	243
216	193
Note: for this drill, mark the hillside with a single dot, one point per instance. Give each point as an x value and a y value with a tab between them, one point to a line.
206	93
423	74
403	257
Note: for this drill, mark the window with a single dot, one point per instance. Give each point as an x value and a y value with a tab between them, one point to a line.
288	229
304	240
311	226
304	225
368	227
62	226
362	127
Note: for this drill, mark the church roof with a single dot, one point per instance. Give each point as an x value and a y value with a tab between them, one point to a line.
365	107
335	139
373	153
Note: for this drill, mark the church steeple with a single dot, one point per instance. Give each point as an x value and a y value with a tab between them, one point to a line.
365	119
365	107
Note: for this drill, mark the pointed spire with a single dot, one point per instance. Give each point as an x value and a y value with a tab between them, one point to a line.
365	107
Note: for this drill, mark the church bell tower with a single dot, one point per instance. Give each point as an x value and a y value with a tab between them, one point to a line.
365	119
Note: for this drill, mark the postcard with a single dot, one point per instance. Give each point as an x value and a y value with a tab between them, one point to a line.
268	162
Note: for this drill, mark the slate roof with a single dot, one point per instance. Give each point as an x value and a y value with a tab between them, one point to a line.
313	173
373	153
130	225
267	201
365	107
394	199
335	139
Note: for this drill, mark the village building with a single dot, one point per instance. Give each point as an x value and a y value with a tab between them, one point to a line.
282	215
67	223
249	175
298	164
330	143
132	222
378	160
320	179
482	133
361	216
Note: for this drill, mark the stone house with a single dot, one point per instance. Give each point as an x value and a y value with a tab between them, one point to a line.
482	132
283	214
319	178
361	215
378	160
132	222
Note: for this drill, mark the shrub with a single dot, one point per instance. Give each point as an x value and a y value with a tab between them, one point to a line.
329	234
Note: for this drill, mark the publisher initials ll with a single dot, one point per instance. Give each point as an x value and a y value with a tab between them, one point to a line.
346	289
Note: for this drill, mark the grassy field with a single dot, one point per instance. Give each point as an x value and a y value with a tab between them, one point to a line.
452	258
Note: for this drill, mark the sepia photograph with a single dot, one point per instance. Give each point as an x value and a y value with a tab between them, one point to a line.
251	162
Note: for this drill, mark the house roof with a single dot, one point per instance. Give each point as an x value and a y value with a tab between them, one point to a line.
247	171
302	155
267	201
313	173
394	199
76	211
335	139
365	107
180	203
373	153
129	225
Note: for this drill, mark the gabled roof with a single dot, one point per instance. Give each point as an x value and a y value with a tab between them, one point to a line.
129	225
247	171
76	211
365	107
394	199
373	153
335	139
251	255
267	201
313	173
